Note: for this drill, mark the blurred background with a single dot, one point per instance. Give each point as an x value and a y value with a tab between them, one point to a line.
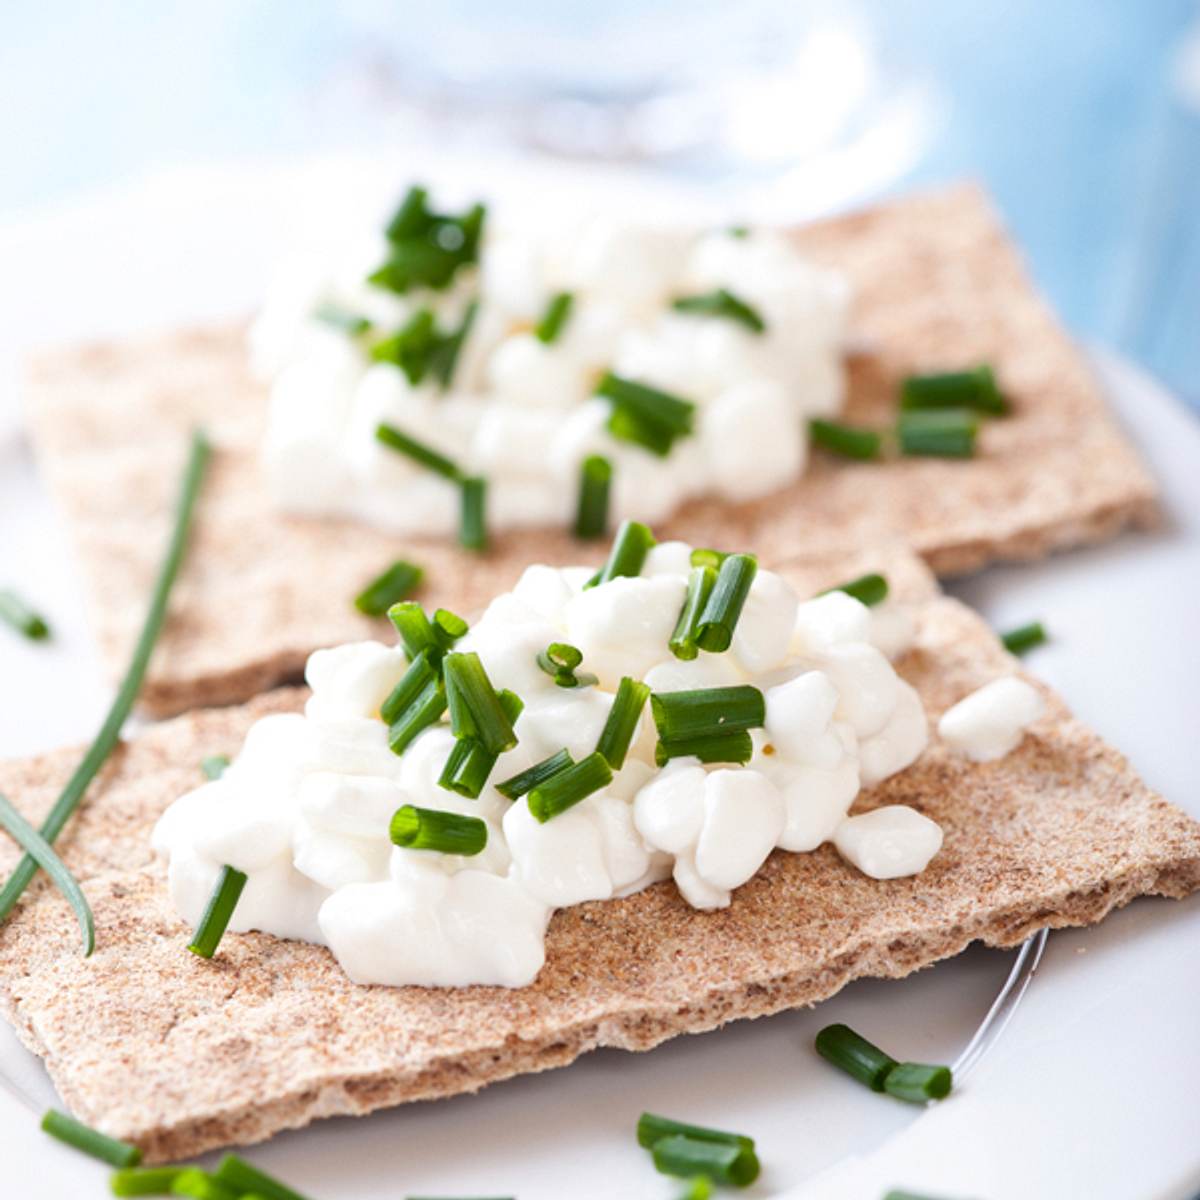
1082	116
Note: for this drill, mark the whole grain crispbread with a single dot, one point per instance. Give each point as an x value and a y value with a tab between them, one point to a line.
938	285
151	1044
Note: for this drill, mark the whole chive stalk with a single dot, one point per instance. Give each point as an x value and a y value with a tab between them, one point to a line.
940	433
247	1180
395	584
90	1141
595	482
706	712
217	915
351	323
722	303
567	788
628	554
644	415
475	709
525	781
196	1184
143	1181
554	319
708	748
866	589
422	712
627	705
432	829
1024	637
855	1055
975	389
413	682
426	456
845	439
652	1128
15	612
123	702
699	588
214	765
472	526
723	1161
714	630
918	1082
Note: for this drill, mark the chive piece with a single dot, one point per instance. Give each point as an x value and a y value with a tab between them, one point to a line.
394	439
554	318
704	712
559	660
975	389
21	617
738	231
200	1185
940	433
398	581
247	1179
699	588
918	1082
416	633
645	415
707	557
410	219
699	1188
866	589
448	627
470	763
567	788
411	347
1024	637
214	765
708	748
627	705
722	1161
472	528
652	1128
90	1141
432	829
443	358
714	630
426	249
628	554
721	303
352	323
424	711
595	481
525	781
845	439
855	1055
216	916
413	682
143	1181
122	703
475	709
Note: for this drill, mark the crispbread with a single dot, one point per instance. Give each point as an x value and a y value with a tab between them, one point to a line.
938	285
149	1043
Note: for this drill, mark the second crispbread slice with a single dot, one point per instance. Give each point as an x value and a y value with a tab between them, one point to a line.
179	1055
937	284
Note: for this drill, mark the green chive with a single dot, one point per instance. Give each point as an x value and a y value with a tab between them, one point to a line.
413	682
411	218
554	318
707	557
699	1188
398	581
90	1141
559	660
627	705
1024	637
866	589
855	1055
416	633
472	529
143	1181
567	788
704	712
938	433
628	554
722	1161
426	248
525	781
708	748
738	231
411	347
845	439
443	358
424	711
432	829
200	1185
714	630
652	1128
15	612
448	627
645	415
475	709
214	765
352	323
470	763
247	1179
699	588
122	703
394	439
216	916
975	389
721	303
595	480
918	1082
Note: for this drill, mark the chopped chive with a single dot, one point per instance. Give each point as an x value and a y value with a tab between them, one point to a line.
422	712
348	322
143	1181
398	581
470	763
475	709
733	747
705	556
122	703
714	630
866	589
411	217
15	612
723	1161
845	439
411	347
918	1082
559	660
568	787
699	1188
432	829
1024	637
416	632
938	433
35	845
554	318
628	554
627	705
975	389
721	303
394	439
699	588
472	528
525	781
595	480
90	1141
645	415
738	231
200	1185
420	674
427	249
448	627
652	1128
214	765
855	1055
246	1179
704	712
217	915
443	358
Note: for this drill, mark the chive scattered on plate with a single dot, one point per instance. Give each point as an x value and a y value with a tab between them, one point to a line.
397	583
1024	637
974	389
90	1141
845	440
15	612
938	433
